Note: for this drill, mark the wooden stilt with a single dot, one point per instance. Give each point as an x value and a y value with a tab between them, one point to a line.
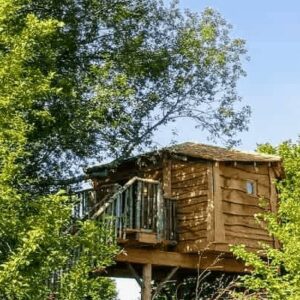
147	277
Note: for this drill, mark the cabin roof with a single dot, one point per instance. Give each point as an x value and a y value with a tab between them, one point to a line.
201	151
215	153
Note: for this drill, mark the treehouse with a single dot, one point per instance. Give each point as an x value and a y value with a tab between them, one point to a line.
178	209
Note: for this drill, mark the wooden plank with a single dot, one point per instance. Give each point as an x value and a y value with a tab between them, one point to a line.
147	238
188	167
192	207
193	246
189	186
192	235
184	227
242	220
262	204
138	206
245	229
239	197
156	174
181	260
149	207
191	217
142	205
147	278
160	213
245	173
131	207
167	183
189	194
210	205
193	199
155	208
125	217
219	230
250	235
241	209
232	239
202	177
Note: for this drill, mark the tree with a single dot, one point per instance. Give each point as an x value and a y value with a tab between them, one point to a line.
82	79
277	275
33	245
123	69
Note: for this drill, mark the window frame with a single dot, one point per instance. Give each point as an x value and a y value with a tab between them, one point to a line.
251	187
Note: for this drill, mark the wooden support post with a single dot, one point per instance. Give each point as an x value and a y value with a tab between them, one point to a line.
147	278
210	205
218	209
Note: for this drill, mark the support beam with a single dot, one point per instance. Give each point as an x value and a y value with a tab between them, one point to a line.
147	278
227	263
161	285
135	274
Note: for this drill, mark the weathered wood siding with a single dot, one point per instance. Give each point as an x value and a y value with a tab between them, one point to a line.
124	173
189	181
213	206
239	207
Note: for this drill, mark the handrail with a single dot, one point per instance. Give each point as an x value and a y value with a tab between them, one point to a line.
137	205
120	191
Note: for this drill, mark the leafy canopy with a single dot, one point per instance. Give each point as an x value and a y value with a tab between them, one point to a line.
32	245
121	69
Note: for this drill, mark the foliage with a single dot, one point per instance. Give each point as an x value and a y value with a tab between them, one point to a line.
277	276
207	285
34	242
121	70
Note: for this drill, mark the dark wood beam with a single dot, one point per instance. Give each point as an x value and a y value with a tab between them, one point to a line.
207	260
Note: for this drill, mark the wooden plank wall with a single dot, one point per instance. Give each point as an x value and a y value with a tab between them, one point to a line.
124	173
189	182
239	207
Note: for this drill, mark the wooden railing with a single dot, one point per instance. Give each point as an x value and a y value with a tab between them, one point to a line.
135	206
170	219
89	200
138	205
83	204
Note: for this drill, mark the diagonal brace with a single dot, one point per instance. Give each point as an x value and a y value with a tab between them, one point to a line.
135	274
164	281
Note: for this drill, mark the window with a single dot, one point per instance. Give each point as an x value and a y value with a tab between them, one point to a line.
251	187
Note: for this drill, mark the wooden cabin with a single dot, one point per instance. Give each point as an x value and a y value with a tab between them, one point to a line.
179	208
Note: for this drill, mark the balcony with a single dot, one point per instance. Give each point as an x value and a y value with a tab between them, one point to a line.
135	213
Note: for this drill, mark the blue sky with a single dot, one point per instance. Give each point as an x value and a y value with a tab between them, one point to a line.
272	87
